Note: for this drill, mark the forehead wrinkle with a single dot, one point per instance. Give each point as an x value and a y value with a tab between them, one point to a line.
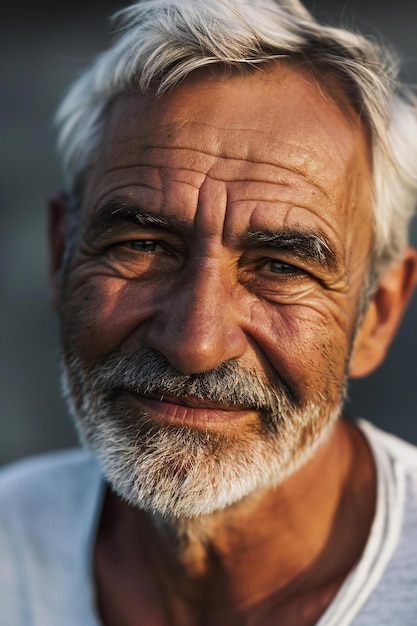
176	168
300	194
110	191
212	208
220	160
218	157
270	181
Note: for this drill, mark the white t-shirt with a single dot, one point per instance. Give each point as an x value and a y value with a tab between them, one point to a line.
49	510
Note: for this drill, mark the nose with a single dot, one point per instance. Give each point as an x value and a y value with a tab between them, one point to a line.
196	324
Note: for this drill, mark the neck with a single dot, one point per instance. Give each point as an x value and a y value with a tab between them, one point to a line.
304	534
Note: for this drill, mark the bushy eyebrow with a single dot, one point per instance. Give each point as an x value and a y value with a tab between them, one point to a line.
305	245
117	213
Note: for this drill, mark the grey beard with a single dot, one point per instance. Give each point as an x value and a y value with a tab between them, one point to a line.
181	471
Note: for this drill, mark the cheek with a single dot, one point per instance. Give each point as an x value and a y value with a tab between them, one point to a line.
307	345
101	313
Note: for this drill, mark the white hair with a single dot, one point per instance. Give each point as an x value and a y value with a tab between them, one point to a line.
161	41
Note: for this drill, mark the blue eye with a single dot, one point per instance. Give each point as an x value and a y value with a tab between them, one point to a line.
144	245
278	267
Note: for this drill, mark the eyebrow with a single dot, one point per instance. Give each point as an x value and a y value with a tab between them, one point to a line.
117	213
305	245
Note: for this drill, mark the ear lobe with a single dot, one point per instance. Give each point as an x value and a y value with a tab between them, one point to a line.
383	315
57	223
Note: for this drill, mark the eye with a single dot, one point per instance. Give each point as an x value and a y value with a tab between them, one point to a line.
144	245
279	267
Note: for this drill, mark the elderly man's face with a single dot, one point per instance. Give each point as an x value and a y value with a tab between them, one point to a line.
211	300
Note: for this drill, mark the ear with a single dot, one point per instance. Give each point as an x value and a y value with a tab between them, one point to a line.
57	224
383	315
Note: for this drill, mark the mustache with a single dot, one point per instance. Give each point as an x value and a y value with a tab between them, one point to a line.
147	372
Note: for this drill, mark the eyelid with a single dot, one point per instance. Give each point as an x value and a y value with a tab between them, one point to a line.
158	236
168	245
292	269
155	242
263	259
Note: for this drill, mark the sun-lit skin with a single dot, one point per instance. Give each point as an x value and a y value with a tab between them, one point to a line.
222	159
207	295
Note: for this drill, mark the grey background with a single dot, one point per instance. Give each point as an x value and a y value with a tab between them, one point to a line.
43	46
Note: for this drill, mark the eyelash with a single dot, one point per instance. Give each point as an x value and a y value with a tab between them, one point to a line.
134	242
287	269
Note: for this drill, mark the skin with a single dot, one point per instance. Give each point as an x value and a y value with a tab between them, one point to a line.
269	152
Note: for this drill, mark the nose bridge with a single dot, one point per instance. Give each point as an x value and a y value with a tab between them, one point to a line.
197	326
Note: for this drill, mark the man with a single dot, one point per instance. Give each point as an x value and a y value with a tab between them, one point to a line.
231	246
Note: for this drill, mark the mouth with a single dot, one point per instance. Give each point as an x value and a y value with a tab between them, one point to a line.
189	411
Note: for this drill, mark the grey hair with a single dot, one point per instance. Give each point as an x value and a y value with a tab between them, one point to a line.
160	42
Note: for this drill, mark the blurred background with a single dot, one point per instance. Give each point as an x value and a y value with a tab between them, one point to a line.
43	47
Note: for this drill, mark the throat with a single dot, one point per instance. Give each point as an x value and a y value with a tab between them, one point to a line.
189	545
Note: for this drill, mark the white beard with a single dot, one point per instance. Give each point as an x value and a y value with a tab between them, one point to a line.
180	471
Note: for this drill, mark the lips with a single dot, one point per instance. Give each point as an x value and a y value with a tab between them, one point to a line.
196	403
187	410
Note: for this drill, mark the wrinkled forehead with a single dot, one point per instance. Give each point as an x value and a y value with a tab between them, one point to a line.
273	120
273	98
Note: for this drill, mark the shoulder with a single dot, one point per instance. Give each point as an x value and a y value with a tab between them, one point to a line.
49	506
41	466
400	452
387	572
55	479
